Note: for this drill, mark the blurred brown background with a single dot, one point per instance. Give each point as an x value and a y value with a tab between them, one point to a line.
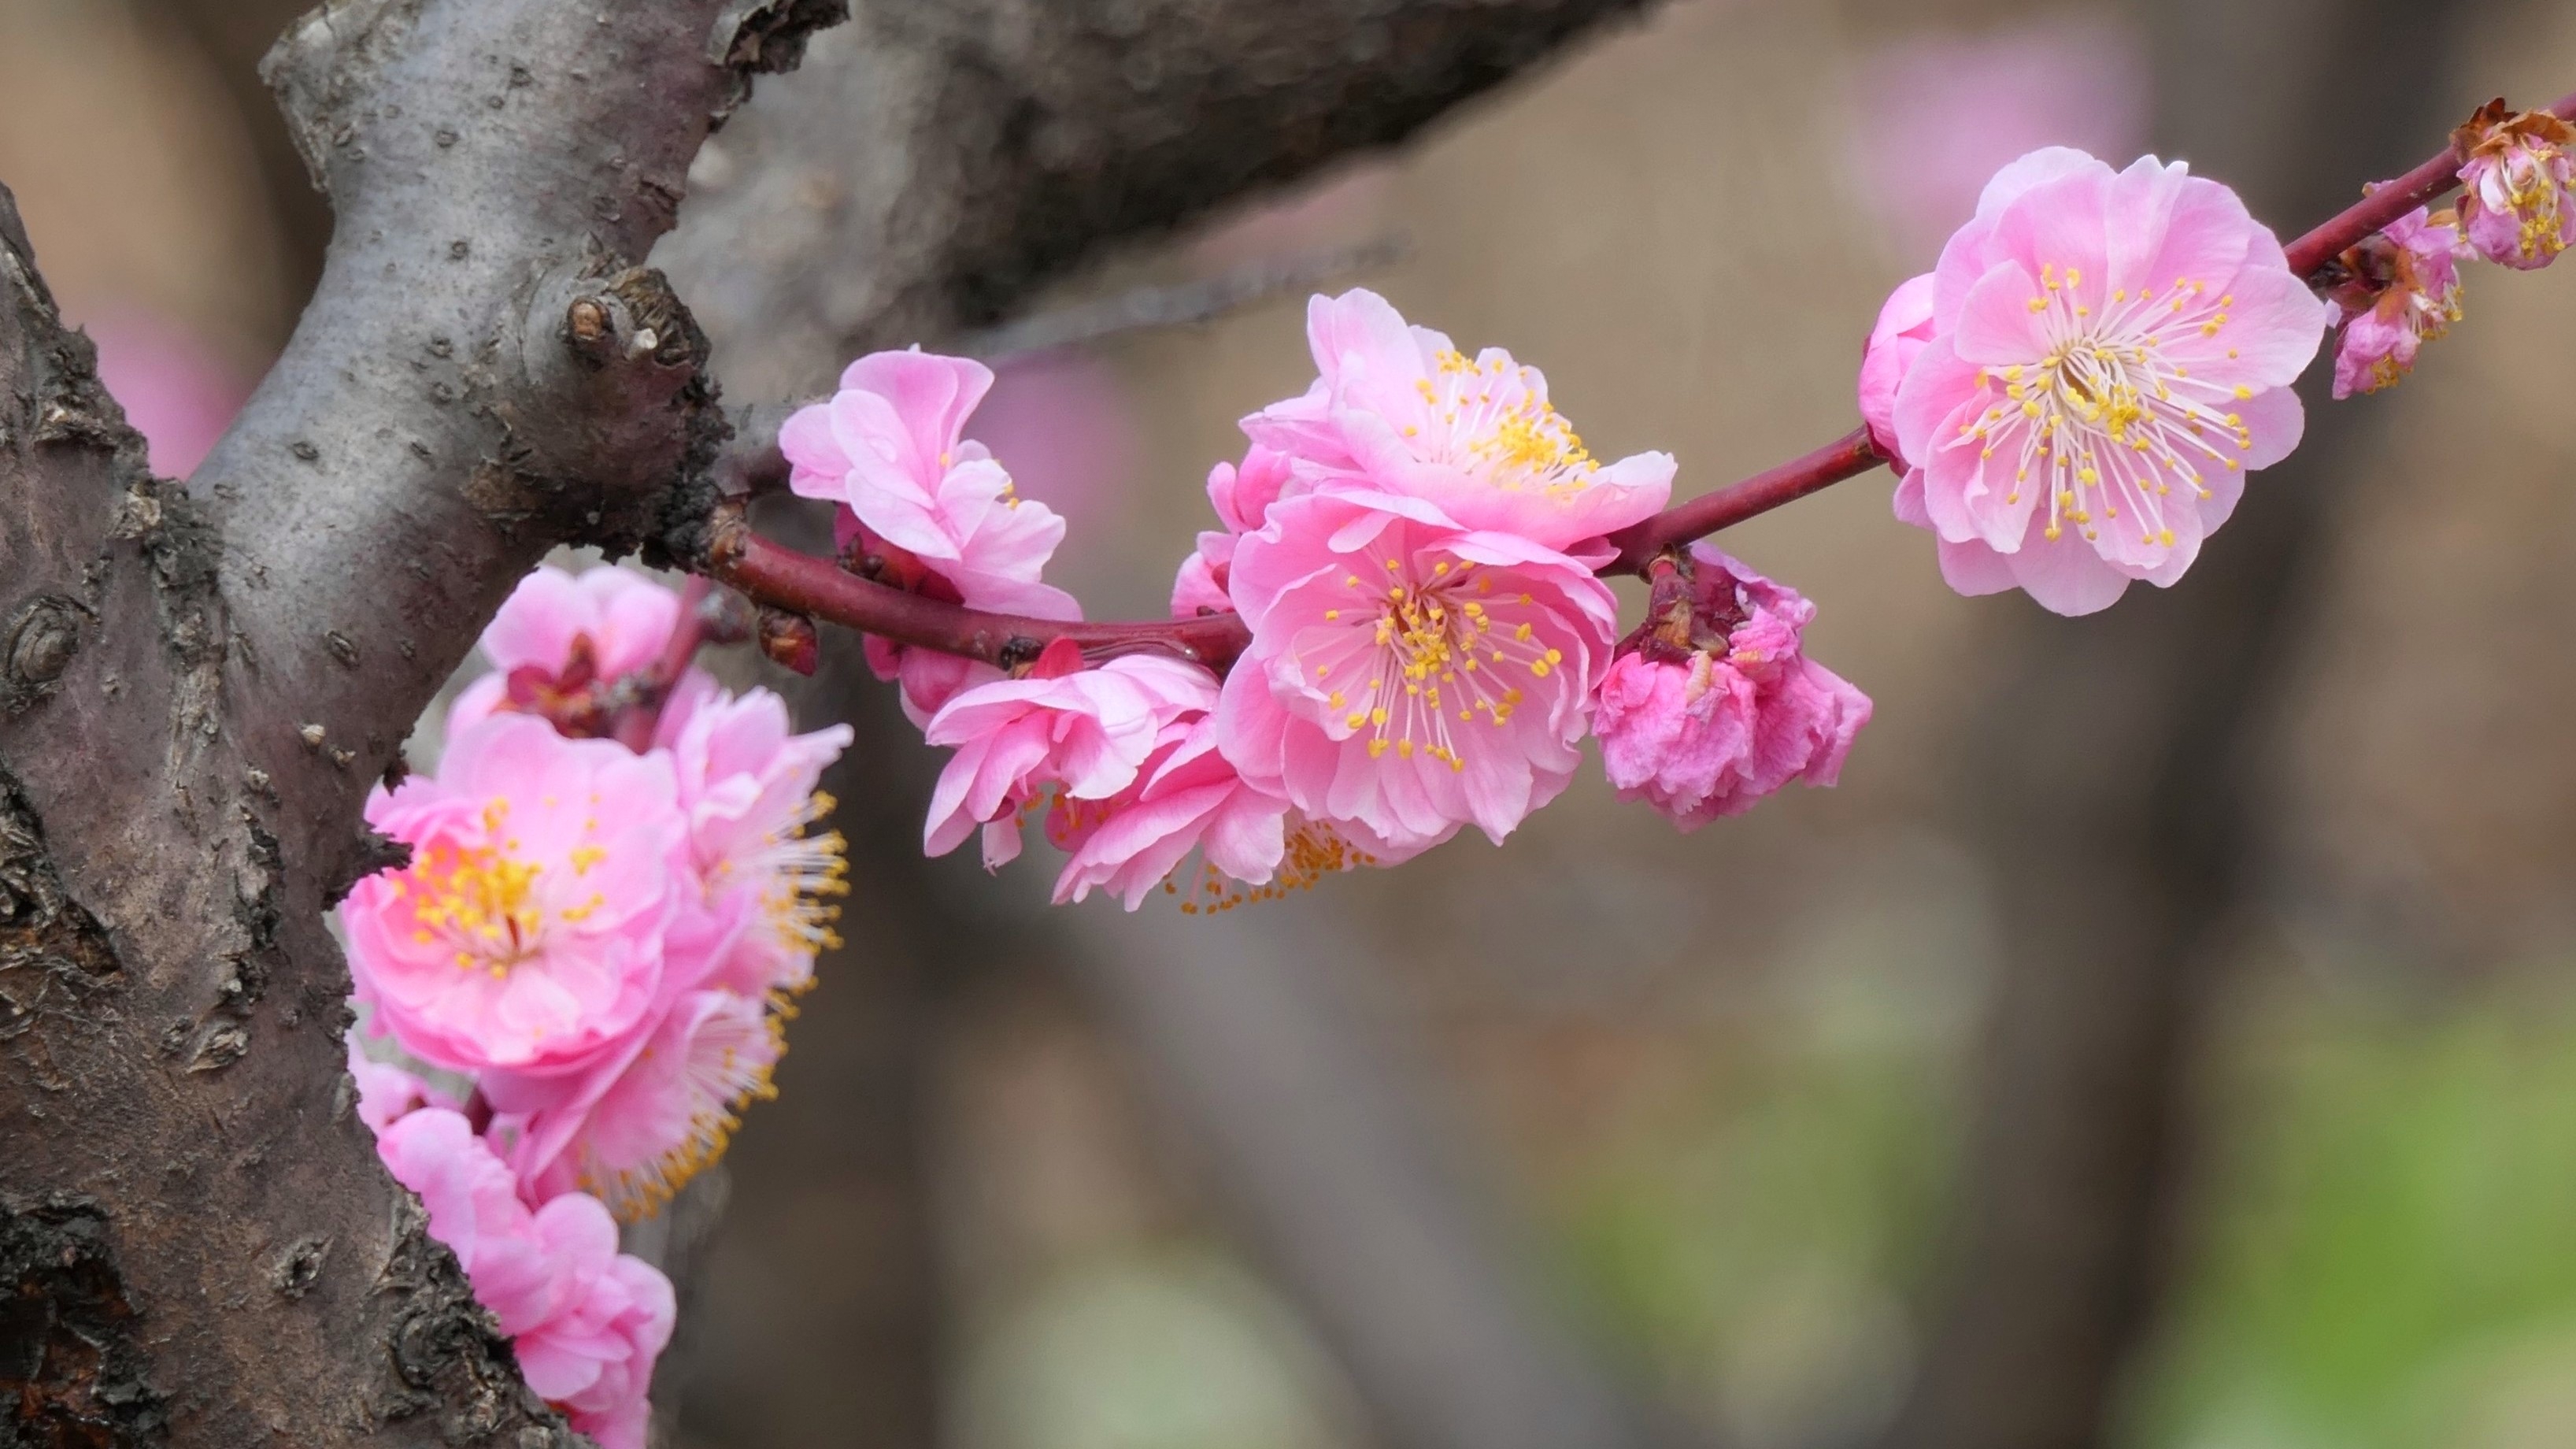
2160	1038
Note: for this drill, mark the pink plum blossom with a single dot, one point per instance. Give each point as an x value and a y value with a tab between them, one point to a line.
2111	353
585	1321
747	786
527	933
888	447
634	1130
1904	327
1242	498
1406	675
1399	410
934	513
559	634
2418	262
1084	732
2515	206
1716	705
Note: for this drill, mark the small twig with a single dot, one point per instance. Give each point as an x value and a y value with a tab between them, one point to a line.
1180	304
1848	456
784	578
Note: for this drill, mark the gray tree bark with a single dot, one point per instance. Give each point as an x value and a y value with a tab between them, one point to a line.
197	684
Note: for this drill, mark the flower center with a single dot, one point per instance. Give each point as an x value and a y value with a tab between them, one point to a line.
1495	424
1420	661
483	900
2105	418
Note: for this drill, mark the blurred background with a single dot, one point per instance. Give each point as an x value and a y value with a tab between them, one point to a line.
2164	1036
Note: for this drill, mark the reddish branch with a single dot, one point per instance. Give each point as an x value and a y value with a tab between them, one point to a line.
784	578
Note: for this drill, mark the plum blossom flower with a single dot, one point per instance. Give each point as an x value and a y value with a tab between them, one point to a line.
585	1321
1397	409
1242	498
2415	266
1713	704
1252	844
527	932
1406	675
747	786
2515	206
1086	733
634	1130
561	643
2111	353
934	513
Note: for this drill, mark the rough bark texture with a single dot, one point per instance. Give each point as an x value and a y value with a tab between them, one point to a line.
201	684
2119	789
941	158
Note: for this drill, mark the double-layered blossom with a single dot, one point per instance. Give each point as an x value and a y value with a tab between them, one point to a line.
2109	354
936	512
1399	410
585	1321
1426	626
1407	676
527	932
1083	733
2414	266
2515	206
1713	704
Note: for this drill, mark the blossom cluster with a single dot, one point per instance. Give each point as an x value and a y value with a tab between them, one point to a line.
612	896
1413	545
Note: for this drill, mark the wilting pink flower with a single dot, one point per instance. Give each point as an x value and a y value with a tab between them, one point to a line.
1407	676
585	1321
1714	704
387	1093
562	640
1086	733
1399	410
2416	269
888	448
1242	498
634	1130
527	933
2514	201
2111	354
1904	326
747	786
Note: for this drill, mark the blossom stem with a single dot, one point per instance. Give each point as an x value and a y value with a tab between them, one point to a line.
1848	456
784	578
